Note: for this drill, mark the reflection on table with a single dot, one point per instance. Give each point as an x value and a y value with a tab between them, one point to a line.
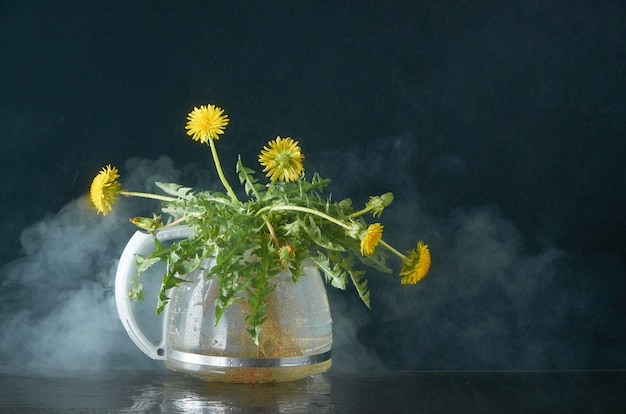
161	391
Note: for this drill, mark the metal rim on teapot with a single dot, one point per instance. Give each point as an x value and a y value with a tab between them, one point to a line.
231	362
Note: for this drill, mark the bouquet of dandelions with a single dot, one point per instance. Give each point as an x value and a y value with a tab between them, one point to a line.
280	223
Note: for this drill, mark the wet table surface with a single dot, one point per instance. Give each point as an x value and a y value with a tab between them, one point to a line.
161	391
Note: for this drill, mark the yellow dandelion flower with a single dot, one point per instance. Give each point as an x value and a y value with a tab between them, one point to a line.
416	265
282	160
372	237
206	122
105	189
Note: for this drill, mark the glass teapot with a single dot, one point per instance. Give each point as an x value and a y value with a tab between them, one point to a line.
295	342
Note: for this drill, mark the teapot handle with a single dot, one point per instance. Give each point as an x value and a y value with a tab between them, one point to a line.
143	244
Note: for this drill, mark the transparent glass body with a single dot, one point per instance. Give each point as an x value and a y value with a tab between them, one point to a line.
295	342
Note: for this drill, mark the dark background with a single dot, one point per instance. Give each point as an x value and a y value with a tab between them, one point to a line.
499	126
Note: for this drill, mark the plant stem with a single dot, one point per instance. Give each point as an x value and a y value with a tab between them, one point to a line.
146	195
220	173
176	222
271	229
360	212
391	249
307	210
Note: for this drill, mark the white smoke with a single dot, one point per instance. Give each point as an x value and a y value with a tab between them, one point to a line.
491	301
58	310
484	304
494	298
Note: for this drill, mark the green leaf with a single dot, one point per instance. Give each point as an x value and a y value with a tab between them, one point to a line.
334	275
360	283
136	290
246	178
169	281
376	260
255	332
161	302
174	189
188	266
315	233
219	311
145	263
